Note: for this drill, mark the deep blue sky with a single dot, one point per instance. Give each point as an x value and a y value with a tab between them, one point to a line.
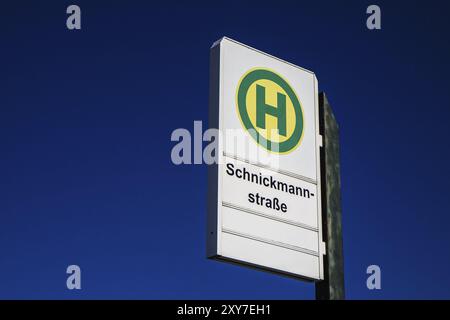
86	117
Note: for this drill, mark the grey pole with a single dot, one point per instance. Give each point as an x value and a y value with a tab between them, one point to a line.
332	287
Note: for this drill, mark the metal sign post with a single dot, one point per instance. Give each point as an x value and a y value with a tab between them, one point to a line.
277	154
332	287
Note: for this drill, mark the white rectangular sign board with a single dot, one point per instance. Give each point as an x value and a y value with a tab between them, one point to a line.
264	200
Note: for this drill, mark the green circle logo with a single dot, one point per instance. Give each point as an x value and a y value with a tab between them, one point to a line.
270	110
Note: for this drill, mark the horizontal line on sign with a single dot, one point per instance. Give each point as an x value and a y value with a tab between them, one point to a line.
271	242
286	173
296	224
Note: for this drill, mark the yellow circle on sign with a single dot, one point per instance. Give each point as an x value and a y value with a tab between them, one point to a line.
271	131
270	110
